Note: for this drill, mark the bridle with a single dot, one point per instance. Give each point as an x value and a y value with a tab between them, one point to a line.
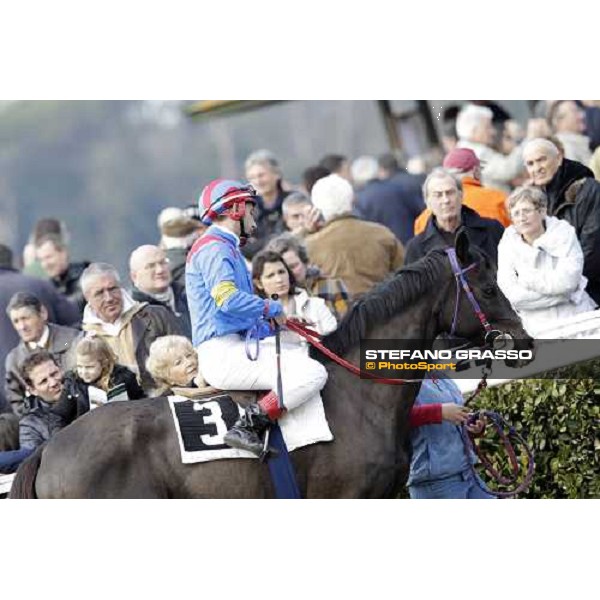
492	335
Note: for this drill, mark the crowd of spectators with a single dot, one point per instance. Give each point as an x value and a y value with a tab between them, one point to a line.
74	336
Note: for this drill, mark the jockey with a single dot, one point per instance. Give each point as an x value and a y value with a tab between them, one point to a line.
223	308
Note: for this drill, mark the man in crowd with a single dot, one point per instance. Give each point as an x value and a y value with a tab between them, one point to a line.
30	320
475	131
53	254
129	327
308	276
443	196
573	195
486	202
265	175
50	407
567	120
358	252
60	310
178	233
391	197
152	283
338	164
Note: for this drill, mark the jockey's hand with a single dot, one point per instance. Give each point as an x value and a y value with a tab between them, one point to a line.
454	413
478	427
279	320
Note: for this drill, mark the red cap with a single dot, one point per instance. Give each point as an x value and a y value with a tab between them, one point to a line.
462	159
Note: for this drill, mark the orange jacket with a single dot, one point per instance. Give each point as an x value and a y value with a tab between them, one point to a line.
488	202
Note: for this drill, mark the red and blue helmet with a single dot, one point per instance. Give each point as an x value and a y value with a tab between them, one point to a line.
225	197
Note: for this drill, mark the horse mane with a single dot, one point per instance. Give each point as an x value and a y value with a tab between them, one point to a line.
385	300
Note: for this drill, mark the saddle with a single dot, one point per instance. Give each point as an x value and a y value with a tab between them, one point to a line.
241	397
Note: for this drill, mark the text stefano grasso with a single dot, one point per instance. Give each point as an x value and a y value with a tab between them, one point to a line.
470	354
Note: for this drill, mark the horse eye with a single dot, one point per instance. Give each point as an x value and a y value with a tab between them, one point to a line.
489	291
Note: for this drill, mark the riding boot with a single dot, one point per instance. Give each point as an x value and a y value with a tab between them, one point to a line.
247	431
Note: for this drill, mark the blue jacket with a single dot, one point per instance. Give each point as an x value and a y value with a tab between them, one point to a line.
438	450
219	289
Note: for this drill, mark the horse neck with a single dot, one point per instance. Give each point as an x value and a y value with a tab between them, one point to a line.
415	322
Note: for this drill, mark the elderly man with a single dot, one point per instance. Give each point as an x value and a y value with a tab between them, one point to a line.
475	131
358	252
443	196
573	195
153	283
53	254
129	327
30	320
486	202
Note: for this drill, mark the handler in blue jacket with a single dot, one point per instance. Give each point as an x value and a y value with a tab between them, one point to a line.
440	467
223	308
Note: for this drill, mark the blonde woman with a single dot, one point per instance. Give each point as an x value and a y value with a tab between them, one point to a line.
173	364
540	263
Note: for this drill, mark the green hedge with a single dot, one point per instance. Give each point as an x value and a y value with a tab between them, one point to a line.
560	419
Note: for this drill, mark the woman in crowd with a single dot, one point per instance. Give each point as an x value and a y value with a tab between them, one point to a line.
98	378
540	263
271	275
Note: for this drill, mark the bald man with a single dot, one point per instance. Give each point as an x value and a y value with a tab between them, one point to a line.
573	195
152	283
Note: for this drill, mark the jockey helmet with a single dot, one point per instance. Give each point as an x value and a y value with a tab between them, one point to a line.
225	197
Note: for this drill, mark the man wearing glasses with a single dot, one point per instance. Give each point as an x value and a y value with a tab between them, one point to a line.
152	283
128	326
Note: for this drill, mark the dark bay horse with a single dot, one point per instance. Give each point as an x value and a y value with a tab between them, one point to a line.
130	449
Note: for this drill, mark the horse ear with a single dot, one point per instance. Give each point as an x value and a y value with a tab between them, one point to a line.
461	246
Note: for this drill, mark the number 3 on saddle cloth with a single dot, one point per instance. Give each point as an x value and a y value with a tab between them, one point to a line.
201	423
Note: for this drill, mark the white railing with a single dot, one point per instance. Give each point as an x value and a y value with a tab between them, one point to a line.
6	483
584	326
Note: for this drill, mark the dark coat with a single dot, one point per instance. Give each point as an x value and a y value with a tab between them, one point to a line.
61	343
60	310
181	313
78	389
68	283
177	258
484	233
39	424
269	222
575	197
393	204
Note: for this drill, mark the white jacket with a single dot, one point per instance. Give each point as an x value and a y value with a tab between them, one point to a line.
543	281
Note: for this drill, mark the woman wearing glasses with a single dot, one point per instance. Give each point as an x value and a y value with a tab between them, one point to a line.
540	264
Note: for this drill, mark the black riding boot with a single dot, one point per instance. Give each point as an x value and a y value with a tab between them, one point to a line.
247	431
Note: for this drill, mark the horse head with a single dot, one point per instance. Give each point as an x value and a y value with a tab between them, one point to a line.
474	307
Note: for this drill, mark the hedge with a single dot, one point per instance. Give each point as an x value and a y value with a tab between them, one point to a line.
559	418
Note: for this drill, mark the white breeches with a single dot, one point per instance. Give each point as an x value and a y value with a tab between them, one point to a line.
224	365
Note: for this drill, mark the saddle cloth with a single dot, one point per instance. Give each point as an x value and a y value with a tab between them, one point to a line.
202	422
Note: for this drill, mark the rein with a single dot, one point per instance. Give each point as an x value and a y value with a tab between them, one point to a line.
312	337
